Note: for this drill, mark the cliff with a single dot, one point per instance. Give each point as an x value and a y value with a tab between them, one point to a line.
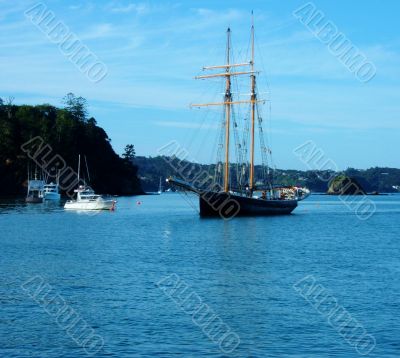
344	185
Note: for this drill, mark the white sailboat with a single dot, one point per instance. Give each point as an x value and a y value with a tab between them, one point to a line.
86	199
159	188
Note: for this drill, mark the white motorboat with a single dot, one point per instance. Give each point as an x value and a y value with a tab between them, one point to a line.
51	192
291	192
88	200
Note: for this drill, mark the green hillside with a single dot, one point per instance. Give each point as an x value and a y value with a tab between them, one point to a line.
65	132
374	179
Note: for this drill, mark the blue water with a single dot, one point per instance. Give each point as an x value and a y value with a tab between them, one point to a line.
106	267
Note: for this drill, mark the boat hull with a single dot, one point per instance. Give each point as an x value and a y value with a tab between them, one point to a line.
227	206
33	200
52	196
90	205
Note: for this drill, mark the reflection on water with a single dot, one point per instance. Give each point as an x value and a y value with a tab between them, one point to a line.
106	266
20	206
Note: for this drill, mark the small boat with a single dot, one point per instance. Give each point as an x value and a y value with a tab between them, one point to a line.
87	199
51	192
228	195
35	190
299	193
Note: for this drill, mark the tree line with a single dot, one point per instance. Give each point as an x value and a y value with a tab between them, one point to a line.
377	179
68	131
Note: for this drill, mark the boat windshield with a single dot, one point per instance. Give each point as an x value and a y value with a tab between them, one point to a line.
50	188
89	195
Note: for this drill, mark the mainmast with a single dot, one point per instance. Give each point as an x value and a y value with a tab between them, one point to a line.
228	100
253	109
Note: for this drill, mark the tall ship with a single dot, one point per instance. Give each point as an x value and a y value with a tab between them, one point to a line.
233	189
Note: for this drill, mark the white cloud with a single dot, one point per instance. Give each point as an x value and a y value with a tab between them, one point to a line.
138	8
214	16
309	85
98	31
87	7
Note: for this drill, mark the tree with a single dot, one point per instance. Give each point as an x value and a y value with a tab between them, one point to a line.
9	106
130	153
76	106
92	122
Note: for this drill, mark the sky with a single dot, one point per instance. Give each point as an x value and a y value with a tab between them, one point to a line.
153	49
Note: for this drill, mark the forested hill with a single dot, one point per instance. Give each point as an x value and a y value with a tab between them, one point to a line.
382	180
65	132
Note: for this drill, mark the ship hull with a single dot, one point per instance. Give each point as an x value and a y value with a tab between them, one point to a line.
227	206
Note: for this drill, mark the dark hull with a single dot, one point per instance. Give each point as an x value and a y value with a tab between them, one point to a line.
228	206
33	200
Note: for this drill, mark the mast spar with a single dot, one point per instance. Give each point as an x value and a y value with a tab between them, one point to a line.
253	108
228	100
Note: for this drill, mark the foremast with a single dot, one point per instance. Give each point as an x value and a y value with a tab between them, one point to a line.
228	100
253	110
